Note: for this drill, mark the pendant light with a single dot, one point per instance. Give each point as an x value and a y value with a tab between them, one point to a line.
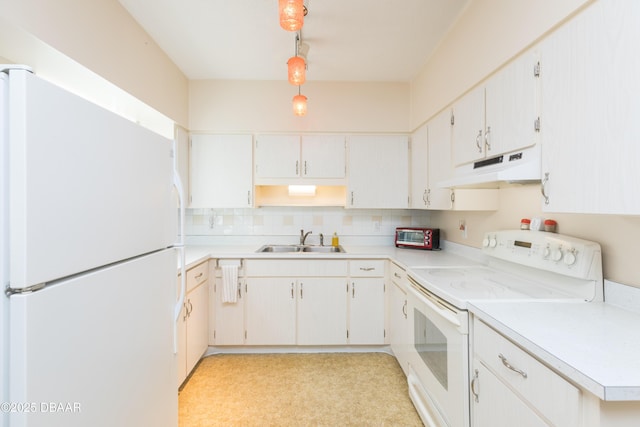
297	67
299	104
291	14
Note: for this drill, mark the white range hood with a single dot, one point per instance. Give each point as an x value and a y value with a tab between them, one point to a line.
522	166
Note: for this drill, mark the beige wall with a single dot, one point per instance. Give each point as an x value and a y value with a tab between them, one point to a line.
103	37
265	106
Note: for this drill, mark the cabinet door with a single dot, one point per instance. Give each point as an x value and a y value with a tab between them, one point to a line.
590	147
366	311
497	405
468	127
323	156
270	311
511	107
277	156
221	171
229	318
419	159
322	311
378	168
439	157
398	326
182	158
197	305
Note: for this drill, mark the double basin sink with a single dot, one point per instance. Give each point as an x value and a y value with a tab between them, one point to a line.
301	249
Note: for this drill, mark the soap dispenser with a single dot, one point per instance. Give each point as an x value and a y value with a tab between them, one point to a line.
334	240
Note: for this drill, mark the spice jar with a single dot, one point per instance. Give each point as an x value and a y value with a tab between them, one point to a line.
550	225
525	224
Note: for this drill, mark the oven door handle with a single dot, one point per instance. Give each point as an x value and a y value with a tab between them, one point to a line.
444	311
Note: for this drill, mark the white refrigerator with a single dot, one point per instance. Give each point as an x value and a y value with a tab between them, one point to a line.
89	256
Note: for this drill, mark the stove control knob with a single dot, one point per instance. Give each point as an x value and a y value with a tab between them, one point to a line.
546	253
493	242
485	242
556	255
570	257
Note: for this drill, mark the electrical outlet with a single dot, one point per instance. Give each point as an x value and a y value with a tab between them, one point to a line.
462	226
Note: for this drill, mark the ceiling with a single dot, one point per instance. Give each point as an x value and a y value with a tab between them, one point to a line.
349	40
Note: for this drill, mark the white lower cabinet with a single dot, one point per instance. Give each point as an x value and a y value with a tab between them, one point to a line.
227	321
366	302
322	311
193	321
398	316
270	308
510	387
310	302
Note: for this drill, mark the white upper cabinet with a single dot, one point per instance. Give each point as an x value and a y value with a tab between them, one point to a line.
419	159
221	171
378	168
291	158
589	106
439	156
499	116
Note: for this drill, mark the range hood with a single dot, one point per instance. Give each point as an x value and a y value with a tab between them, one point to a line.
522	167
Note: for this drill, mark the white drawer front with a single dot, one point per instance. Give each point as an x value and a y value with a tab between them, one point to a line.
296	268
397	274
197	275
549	394
366	268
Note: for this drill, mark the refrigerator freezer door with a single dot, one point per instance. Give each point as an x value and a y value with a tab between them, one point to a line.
97	349
88	187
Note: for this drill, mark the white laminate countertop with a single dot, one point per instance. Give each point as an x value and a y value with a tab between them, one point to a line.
407	258
595	345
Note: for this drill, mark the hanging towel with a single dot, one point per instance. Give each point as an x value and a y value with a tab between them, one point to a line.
230	283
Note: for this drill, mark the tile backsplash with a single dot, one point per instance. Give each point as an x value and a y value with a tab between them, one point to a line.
206	226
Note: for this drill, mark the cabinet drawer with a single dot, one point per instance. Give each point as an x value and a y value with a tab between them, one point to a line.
197	275
549	394
397	274
296	268
366	268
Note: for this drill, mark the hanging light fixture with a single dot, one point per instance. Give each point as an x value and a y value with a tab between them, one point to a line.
292	14
297	67
299	104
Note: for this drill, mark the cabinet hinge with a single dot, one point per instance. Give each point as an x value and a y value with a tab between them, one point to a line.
536	125
536	69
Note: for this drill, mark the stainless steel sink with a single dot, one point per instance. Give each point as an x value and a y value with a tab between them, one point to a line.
301	248
323	249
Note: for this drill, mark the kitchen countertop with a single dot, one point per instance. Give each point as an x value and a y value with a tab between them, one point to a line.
574	338
404	257
596	345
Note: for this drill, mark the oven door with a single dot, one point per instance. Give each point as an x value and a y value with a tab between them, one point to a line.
438	359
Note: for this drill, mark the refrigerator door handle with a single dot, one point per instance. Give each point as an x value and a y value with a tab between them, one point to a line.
177	183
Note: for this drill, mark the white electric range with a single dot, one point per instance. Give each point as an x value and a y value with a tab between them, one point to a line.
522	265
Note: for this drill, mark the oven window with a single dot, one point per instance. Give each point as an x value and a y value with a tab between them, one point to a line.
431	345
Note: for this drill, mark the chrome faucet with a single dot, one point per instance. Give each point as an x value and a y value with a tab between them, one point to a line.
321	240
303	236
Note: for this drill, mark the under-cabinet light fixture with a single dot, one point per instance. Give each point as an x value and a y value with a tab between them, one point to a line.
302	190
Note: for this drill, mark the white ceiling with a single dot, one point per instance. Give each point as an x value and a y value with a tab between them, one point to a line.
349	40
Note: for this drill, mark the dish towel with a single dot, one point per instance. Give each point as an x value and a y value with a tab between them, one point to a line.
230	283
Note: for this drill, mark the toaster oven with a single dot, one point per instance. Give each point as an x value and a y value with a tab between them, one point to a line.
418	237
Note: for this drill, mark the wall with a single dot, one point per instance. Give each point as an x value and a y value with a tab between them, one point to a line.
102	36
265	106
